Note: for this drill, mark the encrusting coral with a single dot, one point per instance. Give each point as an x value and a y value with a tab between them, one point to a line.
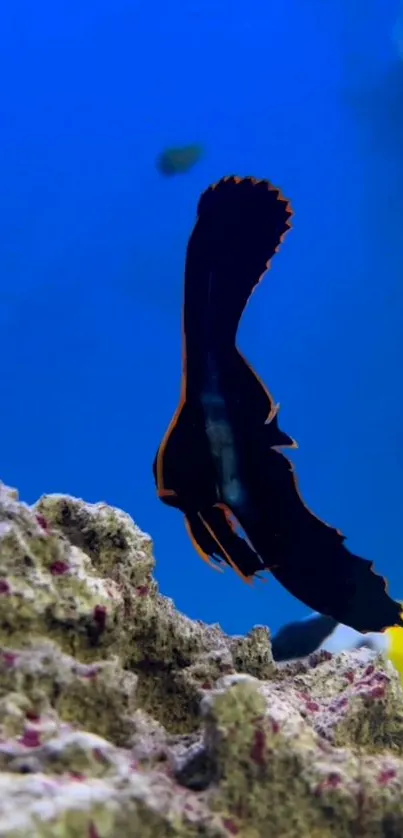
120	716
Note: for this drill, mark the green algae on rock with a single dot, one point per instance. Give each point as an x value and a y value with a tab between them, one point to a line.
121	716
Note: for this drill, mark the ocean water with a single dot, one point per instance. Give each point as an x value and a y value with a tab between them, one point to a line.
92	240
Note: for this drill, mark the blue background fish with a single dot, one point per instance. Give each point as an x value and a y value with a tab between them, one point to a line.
92	243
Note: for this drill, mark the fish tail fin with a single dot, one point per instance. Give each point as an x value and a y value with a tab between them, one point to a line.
241	223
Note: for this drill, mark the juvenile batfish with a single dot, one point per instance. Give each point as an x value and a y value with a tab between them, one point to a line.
220	461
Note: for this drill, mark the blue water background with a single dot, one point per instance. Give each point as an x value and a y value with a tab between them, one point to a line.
92	243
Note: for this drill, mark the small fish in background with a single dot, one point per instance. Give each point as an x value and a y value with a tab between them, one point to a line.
220	460
178	161
317	632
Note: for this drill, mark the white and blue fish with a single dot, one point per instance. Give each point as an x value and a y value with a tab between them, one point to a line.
318	632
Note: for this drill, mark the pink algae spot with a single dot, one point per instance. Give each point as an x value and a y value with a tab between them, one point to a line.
91	672
9	658
338	705
42	522
77	776
349	675
258	750
376	678
377	692
275	726
230	826
380	678
332	781
99	615
58	568
312	706
369	670
4	586
92	831
206	685
32	716
142	590
386	775
30	738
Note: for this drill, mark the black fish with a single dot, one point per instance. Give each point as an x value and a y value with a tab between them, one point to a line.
219	461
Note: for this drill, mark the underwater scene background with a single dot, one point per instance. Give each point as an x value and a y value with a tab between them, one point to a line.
306	93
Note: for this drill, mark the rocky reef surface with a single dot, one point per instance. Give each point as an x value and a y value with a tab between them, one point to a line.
119	716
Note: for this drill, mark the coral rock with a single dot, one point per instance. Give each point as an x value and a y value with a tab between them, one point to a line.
121	716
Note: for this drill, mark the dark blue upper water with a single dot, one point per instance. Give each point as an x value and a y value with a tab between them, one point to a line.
92	239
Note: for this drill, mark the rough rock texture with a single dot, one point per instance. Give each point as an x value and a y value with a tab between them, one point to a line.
121	717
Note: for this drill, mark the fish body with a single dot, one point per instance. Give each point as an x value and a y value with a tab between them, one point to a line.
220	461
177	161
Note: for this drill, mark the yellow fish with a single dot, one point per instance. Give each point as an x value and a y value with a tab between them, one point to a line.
394	648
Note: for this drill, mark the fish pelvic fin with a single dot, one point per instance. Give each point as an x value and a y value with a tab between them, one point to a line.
214	535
